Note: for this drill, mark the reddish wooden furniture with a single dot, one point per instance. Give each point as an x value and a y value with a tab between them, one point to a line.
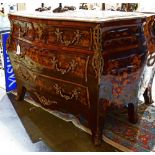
79	65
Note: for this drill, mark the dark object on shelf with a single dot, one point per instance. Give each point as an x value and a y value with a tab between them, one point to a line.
70	7
103	6
60	9
2	11
83	6
43	8
63	9
129	7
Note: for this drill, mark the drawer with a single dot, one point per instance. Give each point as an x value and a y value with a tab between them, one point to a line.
56	92
122	37
124	42
52	35
60	64
127	61
121	31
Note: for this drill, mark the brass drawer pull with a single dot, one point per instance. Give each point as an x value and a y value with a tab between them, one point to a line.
71	95
57	65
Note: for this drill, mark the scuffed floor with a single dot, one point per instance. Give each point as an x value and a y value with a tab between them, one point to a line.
13	136
56	133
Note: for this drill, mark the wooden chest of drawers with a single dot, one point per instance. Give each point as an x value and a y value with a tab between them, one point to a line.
65	63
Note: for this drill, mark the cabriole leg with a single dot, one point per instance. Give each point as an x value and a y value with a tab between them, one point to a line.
97	122
20	92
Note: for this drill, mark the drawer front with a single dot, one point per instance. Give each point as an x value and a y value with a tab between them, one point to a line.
128	61
61	64
61	92
52	35
121	38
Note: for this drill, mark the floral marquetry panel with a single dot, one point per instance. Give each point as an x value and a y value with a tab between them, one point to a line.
56	62
64	91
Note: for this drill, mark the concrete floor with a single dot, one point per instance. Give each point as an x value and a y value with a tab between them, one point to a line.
13	136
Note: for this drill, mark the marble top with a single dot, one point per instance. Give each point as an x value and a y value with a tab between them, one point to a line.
81	15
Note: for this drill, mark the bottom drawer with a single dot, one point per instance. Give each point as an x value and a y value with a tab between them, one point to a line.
50	90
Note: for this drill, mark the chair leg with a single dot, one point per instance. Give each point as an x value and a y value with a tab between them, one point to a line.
133	113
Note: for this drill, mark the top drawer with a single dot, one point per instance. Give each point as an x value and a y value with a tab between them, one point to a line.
53	35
